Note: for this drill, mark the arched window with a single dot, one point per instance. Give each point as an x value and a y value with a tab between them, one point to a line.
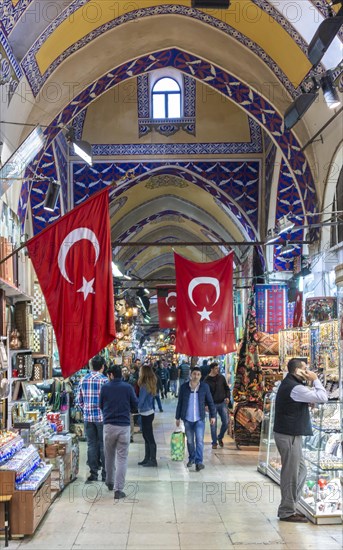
166	99
337	206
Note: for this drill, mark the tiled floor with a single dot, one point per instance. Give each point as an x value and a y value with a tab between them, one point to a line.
227	505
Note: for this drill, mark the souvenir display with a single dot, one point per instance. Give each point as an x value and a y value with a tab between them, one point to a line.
294	343
320	309
27	479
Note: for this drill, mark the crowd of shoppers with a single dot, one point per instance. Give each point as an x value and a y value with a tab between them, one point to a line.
126	396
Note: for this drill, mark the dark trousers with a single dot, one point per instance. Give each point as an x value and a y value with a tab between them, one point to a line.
165	384
95	447
148	436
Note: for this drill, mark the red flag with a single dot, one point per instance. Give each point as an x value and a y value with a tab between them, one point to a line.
204	307
166	301
72	260
298	310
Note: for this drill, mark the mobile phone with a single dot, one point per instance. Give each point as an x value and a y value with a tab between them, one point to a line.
301	373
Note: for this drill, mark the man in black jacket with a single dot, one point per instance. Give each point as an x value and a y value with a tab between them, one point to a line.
117	400
292	421
221	396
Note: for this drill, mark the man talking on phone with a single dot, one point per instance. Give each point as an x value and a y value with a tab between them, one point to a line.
292	422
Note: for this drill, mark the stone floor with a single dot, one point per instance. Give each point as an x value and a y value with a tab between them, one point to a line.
227	505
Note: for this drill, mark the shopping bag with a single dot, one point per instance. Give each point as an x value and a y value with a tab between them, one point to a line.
177	445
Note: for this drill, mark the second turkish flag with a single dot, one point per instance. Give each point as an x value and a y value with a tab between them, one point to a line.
204	307
166	301
72	260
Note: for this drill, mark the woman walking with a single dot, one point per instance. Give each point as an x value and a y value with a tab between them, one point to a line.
147	389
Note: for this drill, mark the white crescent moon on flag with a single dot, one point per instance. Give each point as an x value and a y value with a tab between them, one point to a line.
203	281
72	238
170	294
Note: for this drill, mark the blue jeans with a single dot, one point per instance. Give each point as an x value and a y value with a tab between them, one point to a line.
222	411
173	387
157	398
95	447
195	431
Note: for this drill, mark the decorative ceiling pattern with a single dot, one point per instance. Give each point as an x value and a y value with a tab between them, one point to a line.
153	149
255	106
10	71
36	79
61	158
235	183
289	202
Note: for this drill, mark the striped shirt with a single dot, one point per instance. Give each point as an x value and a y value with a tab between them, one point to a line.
89	394
193	413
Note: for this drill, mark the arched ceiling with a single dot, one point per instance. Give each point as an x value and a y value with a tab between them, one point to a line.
87	63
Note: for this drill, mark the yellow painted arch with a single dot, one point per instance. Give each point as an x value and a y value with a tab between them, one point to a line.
244	16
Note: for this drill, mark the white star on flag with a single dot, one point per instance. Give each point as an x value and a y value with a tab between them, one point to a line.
204	314
172	309
87	288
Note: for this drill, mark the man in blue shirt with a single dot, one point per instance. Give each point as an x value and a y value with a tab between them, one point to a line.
88	400
117	401
193	398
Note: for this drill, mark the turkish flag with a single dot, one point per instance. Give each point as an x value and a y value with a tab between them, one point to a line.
166	302
72	259
204	307
298	310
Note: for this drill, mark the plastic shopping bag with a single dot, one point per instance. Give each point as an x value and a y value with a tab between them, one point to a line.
177	445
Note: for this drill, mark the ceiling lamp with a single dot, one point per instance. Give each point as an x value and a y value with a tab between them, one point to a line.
284	225
298	108
21	158
324	35
286	249
116	271
80	147
84	150
211	4
272	236
329	91
52	195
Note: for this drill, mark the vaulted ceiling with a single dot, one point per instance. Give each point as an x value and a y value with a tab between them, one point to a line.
231	170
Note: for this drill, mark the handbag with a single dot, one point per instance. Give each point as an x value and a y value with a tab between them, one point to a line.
177	445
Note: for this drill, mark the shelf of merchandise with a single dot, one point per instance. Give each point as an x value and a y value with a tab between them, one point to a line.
326	356
10	354
322	494
13	292
294	342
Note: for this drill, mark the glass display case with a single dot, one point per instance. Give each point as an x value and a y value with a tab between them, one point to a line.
267	441
321	501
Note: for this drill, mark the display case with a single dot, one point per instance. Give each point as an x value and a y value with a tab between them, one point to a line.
321	501
266	440
25	477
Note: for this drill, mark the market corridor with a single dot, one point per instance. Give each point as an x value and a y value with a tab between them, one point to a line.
227	505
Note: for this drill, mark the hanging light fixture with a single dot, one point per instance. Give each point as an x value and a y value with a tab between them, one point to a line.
80	147
329	91
284	225
52	195
286	249
324	35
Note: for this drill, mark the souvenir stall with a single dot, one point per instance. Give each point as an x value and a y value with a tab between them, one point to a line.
248	388
319	345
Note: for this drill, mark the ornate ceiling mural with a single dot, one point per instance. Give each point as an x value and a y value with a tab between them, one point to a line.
238	176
